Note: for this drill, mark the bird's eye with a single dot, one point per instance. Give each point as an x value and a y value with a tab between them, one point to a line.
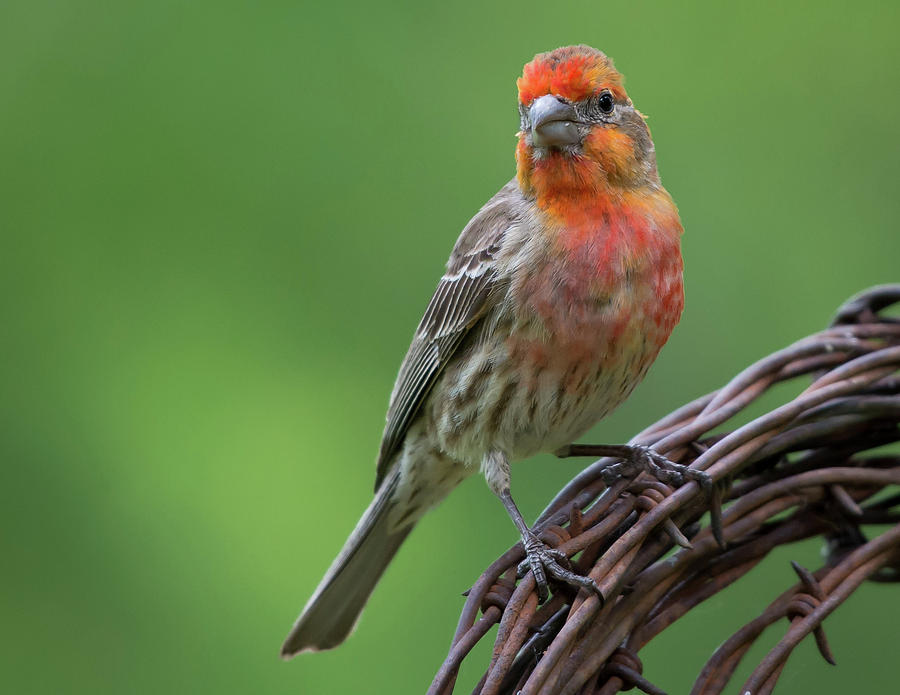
605	102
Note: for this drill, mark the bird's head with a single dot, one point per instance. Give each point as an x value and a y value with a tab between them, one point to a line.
578	126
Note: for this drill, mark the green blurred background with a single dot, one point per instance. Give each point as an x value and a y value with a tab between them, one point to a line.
221	222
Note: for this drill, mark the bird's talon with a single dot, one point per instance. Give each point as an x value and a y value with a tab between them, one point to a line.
702	478
561	558
611	475
543	560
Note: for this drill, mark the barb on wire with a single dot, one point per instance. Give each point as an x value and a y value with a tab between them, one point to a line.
799	471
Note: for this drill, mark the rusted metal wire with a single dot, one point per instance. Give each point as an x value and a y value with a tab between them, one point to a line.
796	472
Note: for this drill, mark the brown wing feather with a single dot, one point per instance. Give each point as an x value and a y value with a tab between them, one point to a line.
463	296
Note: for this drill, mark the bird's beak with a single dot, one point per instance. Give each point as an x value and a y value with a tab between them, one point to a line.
553	122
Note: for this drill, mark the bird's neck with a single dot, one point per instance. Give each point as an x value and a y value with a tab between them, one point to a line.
606	230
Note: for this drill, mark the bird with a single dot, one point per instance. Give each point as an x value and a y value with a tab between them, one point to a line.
557	297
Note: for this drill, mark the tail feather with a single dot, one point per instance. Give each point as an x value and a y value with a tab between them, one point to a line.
332	612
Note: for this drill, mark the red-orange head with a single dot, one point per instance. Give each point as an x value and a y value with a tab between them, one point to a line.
579	130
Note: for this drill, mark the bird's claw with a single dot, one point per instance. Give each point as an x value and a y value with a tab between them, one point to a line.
542	560
636	459
669	472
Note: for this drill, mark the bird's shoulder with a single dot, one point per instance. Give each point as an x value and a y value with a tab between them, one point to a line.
473	264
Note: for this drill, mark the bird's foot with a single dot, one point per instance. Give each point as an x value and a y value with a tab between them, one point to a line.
542	560
636	459
639	459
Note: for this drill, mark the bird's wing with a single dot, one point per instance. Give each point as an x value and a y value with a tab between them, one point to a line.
464	294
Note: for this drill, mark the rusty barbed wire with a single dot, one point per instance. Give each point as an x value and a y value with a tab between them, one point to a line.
796	472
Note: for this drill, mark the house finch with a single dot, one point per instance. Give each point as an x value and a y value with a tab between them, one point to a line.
558	296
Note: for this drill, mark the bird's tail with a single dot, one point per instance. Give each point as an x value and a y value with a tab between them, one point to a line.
331	614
